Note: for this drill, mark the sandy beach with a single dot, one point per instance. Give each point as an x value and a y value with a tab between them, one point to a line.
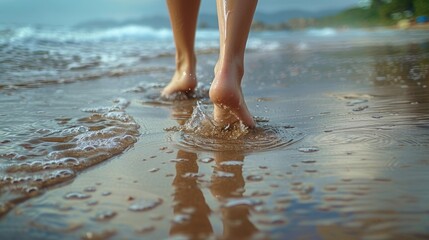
340	151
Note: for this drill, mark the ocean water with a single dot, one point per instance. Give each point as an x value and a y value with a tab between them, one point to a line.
37	55
74	98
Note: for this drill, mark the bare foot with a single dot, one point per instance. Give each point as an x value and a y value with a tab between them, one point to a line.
182	82
227	97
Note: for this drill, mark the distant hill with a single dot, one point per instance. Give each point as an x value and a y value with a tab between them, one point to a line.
286	15
154	21
210	20
378	13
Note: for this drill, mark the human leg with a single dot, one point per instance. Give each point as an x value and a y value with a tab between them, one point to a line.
183	18
235	18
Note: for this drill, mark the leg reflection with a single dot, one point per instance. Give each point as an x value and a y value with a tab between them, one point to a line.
182	111
189	201
227	183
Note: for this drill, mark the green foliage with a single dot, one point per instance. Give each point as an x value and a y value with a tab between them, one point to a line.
379	13
388	10
353	17
421	7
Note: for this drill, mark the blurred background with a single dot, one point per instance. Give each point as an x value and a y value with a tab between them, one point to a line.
48	40
63	12
277	14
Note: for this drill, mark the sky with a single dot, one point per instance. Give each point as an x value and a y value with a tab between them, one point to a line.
69	12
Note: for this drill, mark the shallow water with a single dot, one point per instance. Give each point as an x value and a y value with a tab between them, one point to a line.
201	133
39	155
340	150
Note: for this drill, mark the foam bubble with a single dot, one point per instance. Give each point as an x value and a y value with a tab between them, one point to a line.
53	157
250	202
145	205
232	163
223	174
76	196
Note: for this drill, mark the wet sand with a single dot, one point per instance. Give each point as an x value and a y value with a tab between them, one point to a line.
341	153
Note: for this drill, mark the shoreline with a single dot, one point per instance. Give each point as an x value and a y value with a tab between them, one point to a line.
363	122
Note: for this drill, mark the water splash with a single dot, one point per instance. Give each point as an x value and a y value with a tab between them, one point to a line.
179	101
200	132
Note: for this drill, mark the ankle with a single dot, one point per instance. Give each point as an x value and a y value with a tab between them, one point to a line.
186	63
229	69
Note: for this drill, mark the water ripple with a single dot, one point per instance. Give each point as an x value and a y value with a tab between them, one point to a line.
369	137
199	133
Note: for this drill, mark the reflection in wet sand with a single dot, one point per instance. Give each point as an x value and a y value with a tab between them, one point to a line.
227	188
227	183
190	209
